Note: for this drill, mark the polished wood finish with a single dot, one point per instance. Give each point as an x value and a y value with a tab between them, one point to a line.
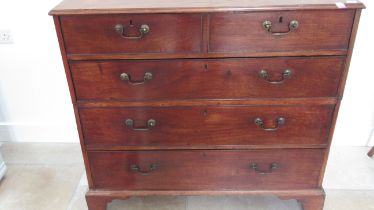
207	169
318	30
213	102
205	93
165	35
194	79
371	152
203	54
200	126
200	147
284	194
68	7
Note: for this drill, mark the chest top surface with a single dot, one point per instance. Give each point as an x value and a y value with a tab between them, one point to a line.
69	7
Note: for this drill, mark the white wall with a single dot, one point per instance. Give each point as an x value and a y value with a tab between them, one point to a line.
356	117
35	104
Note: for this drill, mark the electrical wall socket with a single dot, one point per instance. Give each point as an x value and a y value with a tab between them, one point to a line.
5	37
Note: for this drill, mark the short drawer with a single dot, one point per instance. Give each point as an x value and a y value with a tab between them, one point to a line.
146	33
281	31
208	79
201	126
207	169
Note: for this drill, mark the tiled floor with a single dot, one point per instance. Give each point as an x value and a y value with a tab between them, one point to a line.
51	177
40	176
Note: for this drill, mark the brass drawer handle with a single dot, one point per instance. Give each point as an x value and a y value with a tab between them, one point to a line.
292	26
120	29
272	168
152	167
127	77
265	75
130	125
280	121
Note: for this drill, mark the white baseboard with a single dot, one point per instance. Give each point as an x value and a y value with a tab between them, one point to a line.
38	133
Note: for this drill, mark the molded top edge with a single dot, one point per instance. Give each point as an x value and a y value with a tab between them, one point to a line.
76	7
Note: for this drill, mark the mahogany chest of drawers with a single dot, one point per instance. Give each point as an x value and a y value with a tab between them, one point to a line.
206	97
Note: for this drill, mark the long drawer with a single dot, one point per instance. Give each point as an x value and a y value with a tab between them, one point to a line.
280	31
275	31
218	78
207	169
213	125
146	33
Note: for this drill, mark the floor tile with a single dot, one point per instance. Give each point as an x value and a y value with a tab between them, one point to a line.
78	201
216	203
38	187
240	203
42	153
149	203
272	203
349	200
349	168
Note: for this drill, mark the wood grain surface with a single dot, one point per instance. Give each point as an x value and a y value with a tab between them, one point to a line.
168	33
207	169
317	30
205	94
207	79
190	6
184	126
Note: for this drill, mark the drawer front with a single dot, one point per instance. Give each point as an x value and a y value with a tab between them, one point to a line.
167	33
196	79
196	126
314	30
207	169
